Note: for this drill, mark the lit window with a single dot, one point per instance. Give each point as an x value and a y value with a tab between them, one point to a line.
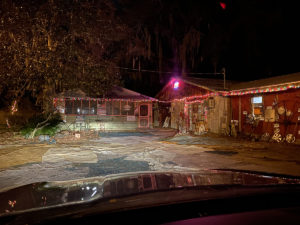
257	100
77	107
257	106
93	107
81	107
85	107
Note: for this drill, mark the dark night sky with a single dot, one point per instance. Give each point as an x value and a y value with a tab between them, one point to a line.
252	39
264	40
259	38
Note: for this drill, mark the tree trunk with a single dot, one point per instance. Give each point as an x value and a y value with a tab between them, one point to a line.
160	59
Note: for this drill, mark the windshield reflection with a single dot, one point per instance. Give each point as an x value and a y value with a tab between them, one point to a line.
49	194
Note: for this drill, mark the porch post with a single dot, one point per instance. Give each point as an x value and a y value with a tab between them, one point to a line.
240	114
186	117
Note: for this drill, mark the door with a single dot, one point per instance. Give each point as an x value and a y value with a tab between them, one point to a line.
144	116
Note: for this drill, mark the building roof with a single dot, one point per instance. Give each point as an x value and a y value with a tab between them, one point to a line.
115	92
272	81
193	86
77	93
208	83
123	93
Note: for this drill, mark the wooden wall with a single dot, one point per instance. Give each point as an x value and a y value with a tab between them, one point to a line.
184	90
290	100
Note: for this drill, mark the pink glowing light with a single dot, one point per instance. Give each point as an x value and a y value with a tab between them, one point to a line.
176	85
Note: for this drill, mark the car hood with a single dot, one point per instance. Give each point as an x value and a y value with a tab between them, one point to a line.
53	194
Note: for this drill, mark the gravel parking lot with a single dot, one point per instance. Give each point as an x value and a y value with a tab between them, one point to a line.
24	161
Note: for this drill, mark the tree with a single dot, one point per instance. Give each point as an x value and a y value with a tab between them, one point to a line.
57	45
168	34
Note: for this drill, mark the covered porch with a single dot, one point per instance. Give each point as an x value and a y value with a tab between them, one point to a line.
119	109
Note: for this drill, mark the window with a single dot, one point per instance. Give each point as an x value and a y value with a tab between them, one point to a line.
127	108
108	108
85	107
101	107
116	107
257	106
257	100
143	110
131	110
81	107
77	107
119	108
69	106
93	107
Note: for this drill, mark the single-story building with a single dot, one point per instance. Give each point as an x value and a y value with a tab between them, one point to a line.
268	108
196	105
119	109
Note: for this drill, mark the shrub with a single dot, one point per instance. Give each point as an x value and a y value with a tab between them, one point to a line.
51	127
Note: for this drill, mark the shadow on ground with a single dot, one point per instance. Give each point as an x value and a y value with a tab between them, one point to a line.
112	166
124	134
220	152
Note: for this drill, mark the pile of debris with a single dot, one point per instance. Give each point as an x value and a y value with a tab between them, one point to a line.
8	138
66	136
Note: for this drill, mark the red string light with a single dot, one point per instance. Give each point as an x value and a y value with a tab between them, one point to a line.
195	98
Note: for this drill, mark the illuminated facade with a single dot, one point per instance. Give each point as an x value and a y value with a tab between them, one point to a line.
195	105
266	109
119	109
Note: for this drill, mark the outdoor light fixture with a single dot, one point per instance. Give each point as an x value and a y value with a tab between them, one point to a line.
176	85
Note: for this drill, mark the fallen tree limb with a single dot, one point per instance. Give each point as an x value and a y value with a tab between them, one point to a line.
39	126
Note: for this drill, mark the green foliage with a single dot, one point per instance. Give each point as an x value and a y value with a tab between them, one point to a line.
58	45
50	129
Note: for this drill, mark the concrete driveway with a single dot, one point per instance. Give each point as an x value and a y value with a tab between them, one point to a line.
151	150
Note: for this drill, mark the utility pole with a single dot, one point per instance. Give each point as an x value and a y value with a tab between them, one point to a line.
224	75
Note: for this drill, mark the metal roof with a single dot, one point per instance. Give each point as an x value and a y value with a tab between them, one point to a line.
272	81
208	83
123	93
115	92
72	93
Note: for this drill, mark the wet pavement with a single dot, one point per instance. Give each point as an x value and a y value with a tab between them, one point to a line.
151	150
